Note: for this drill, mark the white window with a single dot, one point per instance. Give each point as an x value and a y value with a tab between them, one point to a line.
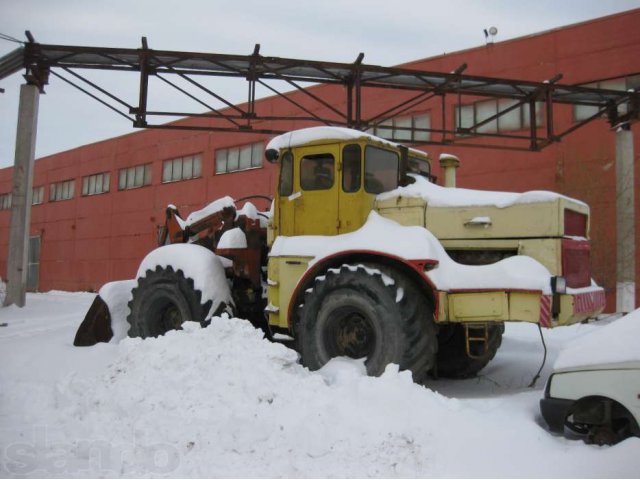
183	168
62	191
405	129
37	195
466	116
5	201
239	158
96	184
582	112
134	177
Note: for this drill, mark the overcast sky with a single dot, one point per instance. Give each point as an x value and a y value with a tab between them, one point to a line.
388	32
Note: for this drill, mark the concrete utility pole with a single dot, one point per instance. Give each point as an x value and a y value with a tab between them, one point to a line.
625	222
21	195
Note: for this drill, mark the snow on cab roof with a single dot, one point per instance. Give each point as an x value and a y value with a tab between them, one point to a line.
304	136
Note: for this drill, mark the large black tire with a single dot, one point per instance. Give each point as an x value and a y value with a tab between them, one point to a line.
357	312
162	301
452	358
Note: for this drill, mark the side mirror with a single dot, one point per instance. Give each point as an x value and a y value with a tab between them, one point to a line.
271	155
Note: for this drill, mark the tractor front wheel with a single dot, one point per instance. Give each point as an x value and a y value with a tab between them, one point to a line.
162	301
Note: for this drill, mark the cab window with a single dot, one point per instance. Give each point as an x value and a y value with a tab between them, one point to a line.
380	170
351	168
419	166
286	175
317	172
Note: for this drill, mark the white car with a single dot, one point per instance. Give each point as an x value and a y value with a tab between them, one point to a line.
600	402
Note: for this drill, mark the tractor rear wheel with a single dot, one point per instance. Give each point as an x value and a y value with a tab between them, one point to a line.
162	301
452	359
370	312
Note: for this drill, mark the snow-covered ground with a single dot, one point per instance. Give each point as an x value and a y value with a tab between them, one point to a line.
223	402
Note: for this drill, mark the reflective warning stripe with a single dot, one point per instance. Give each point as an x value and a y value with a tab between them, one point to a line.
588	302
545	311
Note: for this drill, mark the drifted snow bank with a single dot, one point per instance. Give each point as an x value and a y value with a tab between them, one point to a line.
197	263
438	196
223	402
617	342
382	235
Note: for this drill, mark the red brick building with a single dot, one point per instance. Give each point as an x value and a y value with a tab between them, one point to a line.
97	207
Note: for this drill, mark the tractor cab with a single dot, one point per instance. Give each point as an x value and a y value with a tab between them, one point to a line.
329	178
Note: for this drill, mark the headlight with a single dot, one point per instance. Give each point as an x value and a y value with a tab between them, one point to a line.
558	285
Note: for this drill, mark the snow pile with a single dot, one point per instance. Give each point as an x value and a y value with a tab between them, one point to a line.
233	238
417	243
196	262
117	296
223	402
437	196
615	343
214	207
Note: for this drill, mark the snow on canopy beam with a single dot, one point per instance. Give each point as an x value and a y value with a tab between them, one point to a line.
359	81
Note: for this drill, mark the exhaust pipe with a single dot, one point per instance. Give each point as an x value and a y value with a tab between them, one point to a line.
449	163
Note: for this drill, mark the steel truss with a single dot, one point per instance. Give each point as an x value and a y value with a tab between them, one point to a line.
359	83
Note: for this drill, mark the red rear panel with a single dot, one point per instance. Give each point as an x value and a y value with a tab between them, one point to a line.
575	224
576	263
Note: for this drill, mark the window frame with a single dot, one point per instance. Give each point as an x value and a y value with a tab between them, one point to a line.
630	82
63	190
169	167
37	193
130	175
366	158
494	127
102	178
239	158
315	186
288	158
344	167
6	201
389	128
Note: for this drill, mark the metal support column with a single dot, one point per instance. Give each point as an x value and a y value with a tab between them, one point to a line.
625	222
21	195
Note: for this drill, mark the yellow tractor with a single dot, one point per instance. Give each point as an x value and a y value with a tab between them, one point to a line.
363	255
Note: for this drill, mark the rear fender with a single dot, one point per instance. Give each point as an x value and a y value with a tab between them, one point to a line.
413	269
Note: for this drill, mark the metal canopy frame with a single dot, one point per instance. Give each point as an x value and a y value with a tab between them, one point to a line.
358	81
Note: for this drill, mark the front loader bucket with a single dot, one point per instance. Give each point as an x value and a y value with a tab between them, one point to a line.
96	326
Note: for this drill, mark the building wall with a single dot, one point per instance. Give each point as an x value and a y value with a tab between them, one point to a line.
87	241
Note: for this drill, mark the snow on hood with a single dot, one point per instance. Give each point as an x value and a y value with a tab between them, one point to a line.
214	207
385	236
438	196
616	342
